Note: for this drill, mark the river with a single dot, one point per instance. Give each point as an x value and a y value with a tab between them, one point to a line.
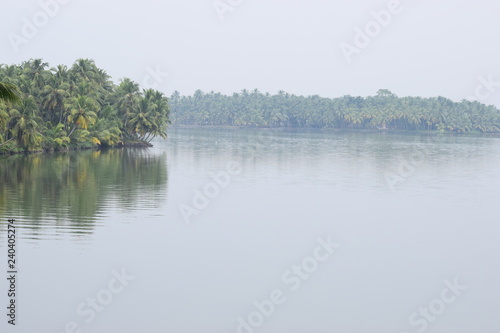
245	230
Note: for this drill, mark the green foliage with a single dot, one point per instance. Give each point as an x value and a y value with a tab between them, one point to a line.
77	107
9	92
55	137
383	111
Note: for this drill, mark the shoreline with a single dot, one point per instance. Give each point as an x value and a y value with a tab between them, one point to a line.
42	151
144	144
331	129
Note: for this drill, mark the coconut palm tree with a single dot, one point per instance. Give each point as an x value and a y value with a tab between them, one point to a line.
9	93
82	112
53	102
24	122
84	69
126	98
35	71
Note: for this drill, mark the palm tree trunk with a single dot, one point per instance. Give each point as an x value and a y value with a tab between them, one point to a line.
6	141
61	115
74	127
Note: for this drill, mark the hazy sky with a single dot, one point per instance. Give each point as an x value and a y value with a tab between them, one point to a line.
423	47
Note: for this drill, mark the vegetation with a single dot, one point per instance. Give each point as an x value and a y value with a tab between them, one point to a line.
9	93
383	111
77	107
60	108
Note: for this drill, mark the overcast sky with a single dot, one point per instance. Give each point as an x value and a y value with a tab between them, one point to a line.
423	47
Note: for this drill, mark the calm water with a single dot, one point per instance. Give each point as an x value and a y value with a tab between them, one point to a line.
413	214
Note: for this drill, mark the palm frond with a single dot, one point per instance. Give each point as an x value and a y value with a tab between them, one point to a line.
9	93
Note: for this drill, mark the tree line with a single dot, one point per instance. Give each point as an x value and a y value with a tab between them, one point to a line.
57	108
385	110
44	108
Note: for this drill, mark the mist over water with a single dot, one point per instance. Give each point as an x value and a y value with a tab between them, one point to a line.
412	214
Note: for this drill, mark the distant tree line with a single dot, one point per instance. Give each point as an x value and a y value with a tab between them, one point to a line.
76	107
43	108
385	110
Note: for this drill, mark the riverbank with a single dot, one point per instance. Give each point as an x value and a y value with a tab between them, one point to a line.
342	130
11	149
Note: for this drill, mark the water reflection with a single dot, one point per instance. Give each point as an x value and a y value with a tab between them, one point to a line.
380	161
73	192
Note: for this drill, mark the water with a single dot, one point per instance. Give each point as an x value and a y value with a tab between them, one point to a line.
411	214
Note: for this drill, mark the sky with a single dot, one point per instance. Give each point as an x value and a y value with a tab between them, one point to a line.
329	48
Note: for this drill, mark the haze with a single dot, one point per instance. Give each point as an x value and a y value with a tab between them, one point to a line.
429	48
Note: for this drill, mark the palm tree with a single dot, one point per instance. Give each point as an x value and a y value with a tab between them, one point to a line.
142	121
84	69
54	101
35	71
9	93
82	112
126	98
58	101
60	74
24	124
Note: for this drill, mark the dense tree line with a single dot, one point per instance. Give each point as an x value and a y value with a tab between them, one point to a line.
383	111
60	108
